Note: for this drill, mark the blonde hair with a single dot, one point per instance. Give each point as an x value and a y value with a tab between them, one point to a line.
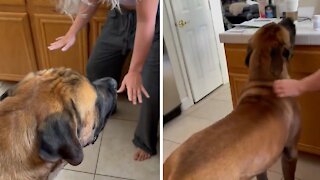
71	7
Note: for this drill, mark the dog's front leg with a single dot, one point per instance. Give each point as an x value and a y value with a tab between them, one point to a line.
289	162
262	176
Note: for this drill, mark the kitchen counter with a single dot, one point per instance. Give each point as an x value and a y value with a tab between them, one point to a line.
306	35
306	60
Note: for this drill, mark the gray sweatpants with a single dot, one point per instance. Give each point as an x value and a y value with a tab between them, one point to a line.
107	59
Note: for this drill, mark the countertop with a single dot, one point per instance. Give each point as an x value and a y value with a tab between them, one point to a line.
306	35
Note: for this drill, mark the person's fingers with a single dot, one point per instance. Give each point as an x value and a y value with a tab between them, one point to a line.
129	92
134	96
58	38
144	91
55	45
67	46
139	96
122	88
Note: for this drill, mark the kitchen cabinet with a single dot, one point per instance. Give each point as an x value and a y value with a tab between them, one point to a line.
27	27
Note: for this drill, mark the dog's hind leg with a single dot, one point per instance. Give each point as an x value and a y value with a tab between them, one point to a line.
262	176
289	162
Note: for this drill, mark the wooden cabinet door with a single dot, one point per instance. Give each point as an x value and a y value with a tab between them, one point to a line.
17	56
237	82
46	28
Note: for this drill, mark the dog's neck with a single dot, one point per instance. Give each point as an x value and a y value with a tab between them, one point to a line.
257	88
263	73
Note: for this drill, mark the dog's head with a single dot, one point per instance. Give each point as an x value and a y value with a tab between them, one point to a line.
269	50
69	111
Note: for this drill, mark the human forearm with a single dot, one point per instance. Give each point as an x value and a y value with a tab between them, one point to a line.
142	44
145	28
86	11
311	82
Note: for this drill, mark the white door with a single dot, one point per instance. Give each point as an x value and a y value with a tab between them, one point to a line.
198	42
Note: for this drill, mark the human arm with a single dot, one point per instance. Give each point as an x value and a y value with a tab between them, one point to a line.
145	28
86	11
291	87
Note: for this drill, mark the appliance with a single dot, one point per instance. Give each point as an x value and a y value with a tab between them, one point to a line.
171	99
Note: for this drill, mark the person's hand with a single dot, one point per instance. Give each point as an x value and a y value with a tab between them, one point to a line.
63	42
133	83
287	87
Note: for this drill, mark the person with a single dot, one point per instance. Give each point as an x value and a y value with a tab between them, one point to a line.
293	87
131	25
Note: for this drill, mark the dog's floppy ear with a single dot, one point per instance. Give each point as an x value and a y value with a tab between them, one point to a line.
249	52
57	139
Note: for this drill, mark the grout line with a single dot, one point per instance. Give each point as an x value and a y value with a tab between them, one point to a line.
206	119
171	141
127	120
95	171
114	177
76	171
275	171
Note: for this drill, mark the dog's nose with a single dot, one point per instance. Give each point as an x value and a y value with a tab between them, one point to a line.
106	83
112	83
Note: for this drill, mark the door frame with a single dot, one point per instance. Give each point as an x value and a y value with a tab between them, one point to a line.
175	53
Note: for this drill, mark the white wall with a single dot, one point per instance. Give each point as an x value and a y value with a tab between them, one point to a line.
315	3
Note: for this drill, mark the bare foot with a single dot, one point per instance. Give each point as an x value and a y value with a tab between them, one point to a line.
141	155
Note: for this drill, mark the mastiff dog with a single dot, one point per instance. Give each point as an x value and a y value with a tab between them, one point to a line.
47	118
260	129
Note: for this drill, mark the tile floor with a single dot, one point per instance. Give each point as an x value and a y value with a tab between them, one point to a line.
209	110
111	157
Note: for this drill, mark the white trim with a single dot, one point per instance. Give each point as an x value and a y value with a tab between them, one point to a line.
176	56
217	19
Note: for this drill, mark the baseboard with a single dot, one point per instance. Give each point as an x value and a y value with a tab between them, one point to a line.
172	114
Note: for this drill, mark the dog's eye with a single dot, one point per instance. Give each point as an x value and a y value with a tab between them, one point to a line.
286	53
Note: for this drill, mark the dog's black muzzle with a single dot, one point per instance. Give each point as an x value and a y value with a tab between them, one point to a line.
106	102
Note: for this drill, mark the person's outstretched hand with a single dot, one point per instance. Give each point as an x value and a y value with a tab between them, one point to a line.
132	81
63	42
287	87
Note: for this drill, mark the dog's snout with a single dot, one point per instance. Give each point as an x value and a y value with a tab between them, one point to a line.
112	83
106	83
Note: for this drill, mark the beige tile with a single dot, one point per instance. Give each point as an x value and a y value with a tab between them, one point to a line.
90	158
116	154
73	175
100	177
308	167
181	128
126	110
168	148
213	110
276	167
272	176
222	93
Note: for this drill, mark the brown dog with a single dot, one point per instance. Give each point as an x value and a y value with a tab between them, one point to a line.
46	120
250	139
